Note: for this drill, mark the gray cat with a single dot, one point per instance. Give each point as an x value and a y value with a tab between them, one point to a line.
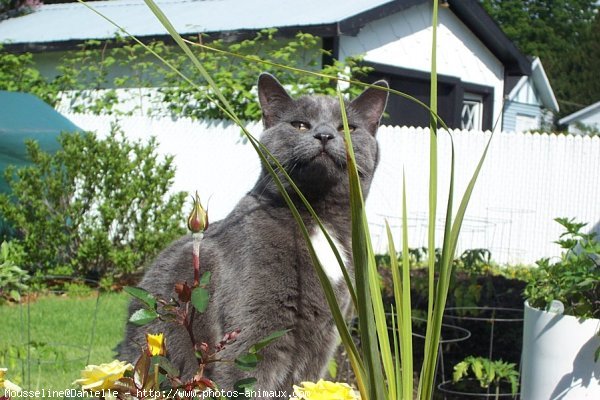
262	275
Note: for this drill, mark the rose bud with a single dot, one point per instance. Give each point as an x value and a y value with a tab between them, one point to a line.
198	220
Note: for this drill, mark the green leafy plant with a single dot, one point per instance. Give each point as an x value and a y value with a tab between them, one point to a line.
13	279
97	207
573	279
18	73
488	373
77	289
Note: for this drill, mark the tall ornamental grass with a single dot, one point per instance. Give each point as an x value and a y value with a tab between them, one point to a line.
383	365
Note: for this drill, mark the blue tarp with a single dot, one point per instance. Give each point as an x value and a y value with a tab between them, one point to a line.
24	116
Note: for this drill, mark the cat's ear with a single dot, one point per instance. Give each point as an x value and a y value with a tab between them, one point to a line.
273	98
371	104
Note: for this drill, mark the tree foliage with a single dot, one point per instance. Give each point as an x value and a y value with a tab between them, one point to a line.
97	207
564	34
18	73
88	78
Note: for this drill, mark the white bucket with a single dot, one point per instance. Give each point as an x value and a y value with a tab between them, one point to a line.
558	357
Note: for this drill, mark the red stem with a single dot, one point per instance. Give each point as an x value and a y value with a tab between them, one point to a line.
196	260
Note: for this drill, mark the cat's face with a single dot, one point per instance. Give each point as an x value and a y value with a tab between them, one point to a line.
306	135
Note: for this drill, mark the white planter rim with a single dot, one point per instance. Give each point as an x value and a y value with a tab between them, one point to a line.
580	319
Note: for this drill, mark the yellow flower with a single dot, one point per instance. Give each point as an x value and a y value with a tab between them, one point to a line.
102	376
6	384
324	390
156	344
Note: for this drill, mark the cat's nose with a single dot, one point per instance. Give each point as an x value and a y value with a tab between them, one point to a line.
323	137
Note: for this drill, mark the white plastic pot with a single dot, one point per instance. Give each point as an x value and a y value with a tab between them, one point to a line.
558	357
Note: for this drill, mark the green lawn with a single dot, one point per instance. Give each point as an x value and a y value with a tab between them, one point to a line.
63	328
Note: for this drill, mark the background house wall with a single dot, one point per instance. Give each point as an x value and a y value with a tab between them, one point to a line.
521	117
583	121
527	181
404	40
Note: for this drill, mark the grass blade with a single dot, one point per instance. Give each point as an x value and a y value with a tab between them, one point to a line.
406	308
426	380
364	266
397	356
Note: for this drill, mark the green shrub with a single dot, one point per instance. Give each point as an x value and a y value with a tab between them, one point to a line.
12	278
573	279
96	208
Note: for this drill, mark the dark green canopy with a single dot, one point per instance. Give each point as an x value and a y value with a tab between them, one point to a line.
24	116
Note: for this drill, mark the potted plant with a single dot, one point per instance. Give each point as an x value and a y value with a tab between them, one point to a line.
561	346
494	379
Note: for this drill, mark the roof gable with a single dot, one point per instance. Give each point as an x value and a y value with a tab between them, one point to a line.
541	85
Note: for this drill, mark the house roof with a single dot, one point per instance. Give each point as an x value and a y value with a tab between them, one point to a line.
584	112
62	26
541	83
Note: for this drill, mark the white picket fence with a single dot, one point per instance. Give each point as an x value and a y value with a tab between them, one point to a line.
527	179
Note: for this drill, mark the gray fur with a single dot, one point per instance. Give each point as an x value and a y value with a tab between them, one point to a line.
262	276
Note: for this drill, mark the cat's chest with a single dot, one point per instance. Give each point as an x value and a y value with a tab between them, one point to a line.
326	255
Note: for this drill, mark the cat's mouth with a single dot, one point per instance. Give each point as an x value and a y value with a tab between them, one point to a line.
325	156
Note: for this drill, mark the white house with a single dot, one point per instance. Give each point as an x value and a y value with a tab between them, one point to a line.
475	58
583	121
530	104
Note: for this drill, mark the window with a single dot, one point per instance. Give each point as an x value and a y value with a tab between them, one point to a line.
460	104
472	112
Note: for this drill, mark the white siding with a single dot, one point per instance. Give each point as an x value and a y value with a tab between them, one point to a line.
513	110
527	180
404	40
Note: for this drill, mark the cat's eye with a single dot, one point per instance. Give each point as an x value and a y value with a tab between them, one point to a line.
351	128
301	126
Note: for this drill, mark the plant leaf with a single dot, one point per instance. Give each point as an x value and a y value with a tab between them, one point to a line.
248	361
166	365
143	316
205	280
460	370
140	372
267	340
245	385
142	295
125	385
200	299
514	384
